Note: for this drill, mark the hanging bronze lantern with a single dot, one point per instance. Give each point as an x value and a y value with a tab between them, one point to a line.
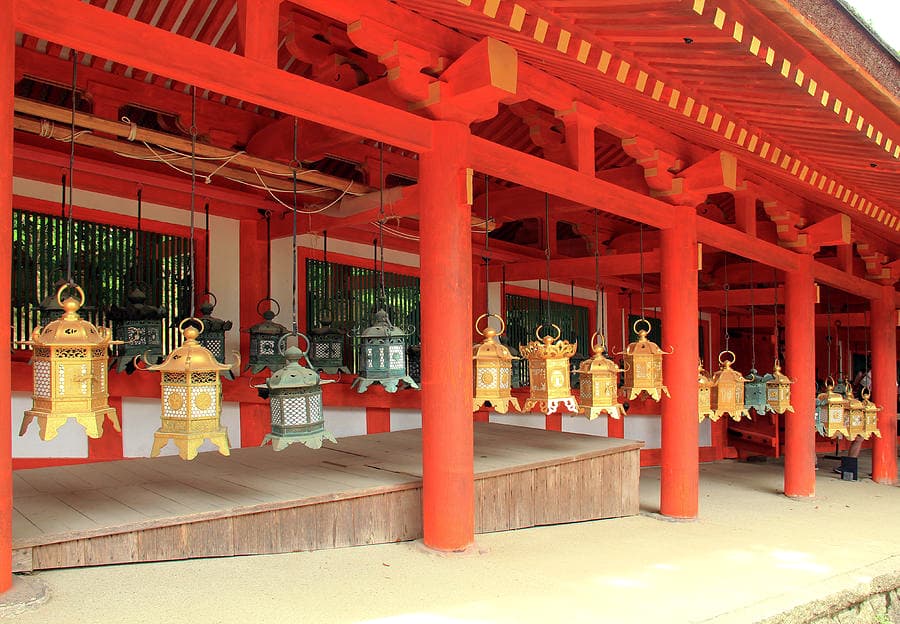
492	370
830	412
138	328
548	369
191	396
50	308
704	385
870	415
643	365
70	373
598	383
326	350
382	356
854	414
213	336
727	395
295	403
755	392
778	390
264	340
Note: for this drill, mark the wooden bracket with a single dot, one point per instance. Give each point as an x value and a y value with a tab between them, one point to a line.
834	230
877	263
580	121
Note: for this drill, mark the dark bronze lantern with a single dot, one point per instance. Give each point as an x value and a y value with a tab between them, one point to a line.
264	340
295	404
326	349
382	356
755	391
140	329
213	336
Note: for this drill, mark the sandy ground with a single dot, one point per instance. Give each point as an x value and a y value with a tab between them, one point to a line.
752	554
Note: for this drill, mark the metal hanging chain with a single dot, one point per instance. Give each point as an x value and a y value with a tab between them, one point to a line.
294	328
193	189
268	254
642	270
726	287
867	364
775	310
752	323
849	350
597	268
138	237
381	220
206	250
325	261
63	204
487	256
828	336
70	242
547	249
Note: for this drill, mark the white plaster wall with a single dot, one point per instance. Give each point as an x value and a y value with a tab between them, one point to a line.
141	419
70	441
280	282
706	433
343	422
358	250
224	240
535	421
644	427
405	419
579	424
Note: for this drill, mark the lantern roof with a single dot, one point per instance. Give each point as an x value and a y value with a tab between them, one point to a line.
490	348
212	323
726	373
382	327
191	356
702	376
70	329
268	326
293	375
598	363
776	376
643	346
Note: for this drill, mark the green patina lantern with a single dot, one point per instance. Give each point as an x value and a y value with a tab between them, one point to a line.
213	336
264	340
295	403
140	329
382	356
326	349
755	391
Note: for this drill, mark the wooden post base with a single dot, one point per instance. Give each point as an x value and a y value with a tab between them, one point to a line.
49	425
189	443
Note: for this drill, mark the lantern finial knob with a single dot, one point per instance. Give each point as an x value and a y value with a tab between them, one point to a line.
190	333
293	354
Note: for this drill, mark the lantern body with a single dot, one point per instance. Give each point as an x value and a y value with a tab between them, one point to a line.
854	415
191	398
755	390
870	416
598	384
264	339
778	390
492	371
382	356
830	413
295	405
548	370
326	349
139	327
70	374
643	366
704	390
727	394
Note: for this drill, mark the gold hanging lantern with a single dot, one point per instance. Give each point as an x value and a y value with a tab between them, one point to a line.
643	365
854	414
727	395
830	412
548	368
704	384
191	396
493	370
598	383
778	390
870	415
71	358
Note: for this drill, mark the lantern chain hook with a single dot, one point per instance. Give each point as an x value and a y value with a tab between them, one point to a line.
726	287
752	322
69	225
193	131
828	336
600	314
268	254
138	237
775	311
547	249
294	294
849	350
642	269
487	256
206	249
381	220
867	373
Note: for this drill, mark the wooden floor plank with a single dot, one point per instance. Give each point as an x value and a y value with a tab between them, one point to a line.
51	515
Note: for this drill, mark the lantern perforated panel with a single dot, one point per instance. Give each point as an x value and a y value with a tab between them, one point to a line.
42	378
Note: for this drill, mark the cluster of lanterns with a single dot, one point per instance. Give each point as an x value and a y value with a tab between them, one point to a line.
840	414
728	392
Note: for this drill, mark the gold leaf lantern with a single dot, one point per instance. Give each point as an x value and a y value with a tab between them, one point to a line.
854	414
830	408
598	378
870	415
778	390
643	365
548	369
191	396
493	370
71	358
704	390
727	395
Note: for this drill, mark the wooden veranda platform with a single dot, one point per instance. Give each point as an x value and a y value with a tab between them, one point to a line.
362	490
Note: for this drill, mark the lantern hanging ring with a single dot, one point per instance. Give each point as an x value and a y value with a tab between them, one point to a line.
282	343
731	361
598	341
829	386
209	295
189	319
646	322
537	332
65	287
263	300
487	325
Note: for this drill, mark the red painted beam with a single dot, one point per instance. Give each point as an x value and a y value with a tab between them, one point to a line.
619	264
258	30
115	37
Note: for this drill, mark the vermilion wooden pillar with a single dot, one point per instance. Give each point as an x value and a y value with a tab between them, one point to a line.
800	356
448	486
7	82
680	463
884	386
